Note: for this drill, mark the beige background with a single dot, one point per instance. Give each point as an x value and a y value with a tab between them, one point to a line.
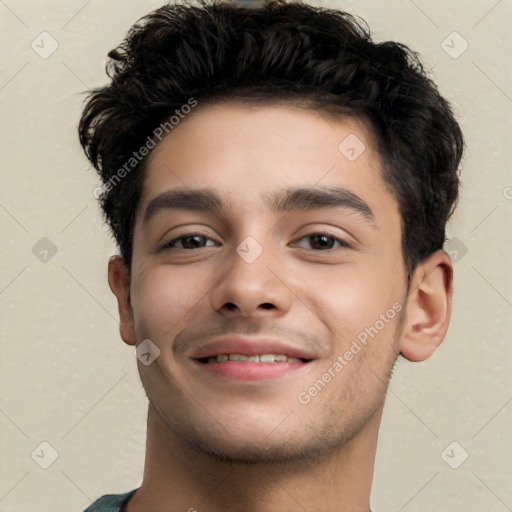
67	379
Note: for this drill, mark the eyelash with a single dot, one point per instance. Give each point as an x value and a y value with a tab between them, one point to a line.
343	243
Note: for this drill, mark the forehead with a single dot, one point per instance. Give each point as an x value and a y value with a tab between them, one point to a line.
248	152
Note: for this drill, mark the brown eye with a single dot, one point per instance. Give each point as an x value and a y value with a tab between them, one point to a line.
190	241
324	241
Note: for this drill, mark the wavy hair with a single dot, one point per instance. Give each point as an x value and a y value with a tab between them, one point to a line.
287	52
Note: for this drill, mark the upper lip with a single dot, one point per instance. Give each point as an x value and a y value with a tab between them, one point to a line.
236	344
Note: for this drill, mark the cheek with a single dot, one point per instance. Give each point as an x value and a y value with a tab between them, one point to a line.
354	298
160	299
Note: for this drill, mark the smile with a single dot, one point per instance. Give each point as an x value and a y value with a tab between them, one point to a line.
257	358
255	367
240	358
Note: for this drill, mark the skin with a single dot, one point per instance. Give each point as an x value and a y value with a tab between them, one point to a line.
214	445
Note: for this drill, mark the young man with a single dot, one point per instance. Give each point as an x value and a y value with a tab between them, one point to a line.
278	185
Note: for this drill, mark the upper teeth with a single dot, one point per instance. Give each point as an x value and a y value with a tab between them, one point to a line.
259	358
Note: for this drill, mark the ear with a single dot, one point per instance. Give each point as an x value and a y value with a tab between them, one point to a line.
119	282
429	307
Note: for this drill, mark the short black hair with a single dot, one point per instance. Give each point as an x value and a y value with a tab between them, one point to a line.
295	53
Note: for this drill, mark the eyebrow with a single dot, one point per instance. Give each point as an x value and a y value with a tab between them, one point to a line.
287	200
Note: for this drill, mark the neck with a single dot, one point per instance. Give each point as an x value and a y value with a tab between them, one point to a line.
177	477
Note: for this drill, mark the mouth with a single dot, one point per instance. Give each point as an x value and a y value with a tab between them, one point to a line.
247	368
249	359
256	358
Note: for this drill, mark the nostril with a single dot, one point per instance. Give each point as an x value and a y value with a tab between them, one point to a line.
267	305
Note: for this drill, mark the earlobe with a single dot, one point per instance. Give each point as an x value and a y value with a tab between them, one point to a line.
119	282
429	306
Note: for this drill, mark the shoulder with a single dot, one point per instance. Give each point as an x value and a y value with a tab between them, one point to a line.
110	502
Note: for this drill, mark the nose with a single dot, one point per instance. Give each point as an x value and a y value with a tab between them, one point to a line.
253	287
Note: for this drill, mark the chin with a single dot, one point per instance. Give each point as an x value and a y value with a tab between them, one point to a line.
250	453
258	445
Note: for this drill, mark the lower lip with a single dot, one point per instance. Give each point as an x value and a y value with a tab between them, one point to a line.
250	371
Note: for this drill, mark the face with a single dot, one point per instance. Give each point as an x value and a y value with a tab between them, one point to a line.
315	277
